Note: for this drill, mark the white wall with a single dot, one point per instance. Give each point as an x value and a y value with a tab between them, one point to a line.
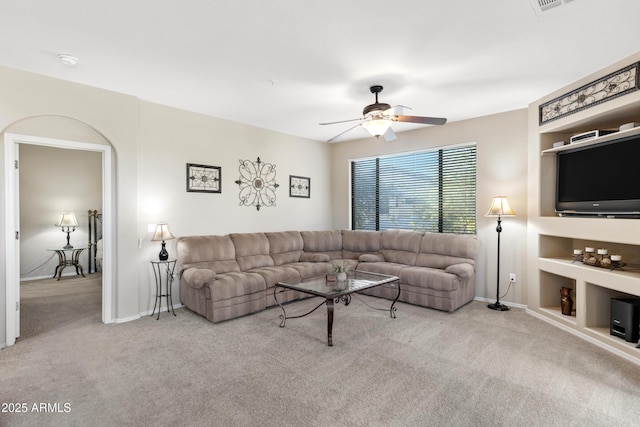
53	180
501	170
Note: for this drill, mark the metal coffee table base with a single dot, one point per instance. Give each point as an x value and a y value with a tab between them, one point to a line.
346	299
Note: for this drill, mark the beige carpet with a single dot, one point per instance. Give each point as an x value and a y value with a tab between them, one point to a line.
474	367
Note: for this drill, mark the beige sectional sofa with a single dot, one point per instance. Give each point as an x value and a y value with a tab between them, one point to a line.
223	277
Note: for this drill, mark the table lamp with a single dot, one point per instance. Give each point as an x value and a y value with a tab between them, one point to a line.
68	222
162	233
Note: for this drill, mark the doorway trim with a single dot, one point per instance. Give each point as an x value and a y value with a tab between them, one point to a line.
12	209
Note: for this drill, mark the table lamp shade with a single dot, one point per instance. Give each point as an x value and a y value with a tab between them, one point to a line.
500	207
67	219
162	233
68	222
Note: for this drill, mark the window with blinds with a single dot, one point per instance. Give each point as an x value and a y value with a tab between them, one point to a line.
431	191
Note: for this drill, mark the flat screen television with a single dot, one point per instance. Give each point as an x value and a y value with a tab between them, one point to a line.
600	178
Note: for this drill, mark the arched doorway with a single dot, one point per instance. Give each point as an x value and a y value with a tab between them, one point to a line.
12	280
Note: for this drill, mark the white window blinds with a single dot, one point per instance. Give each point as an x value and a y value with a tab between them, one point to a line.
429	191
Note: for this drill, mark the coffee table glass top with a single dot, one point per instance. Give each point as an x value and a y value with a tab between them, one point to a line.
356	281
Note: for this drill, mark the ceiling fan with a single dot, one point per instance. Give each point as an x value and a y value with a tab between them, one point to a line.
377	118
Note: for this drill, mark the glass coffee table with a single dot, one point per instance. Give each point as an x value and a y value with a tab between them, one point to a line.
335	292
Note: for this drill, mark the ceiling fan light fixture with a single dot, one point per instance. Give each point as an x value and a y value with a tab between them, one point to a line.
377	127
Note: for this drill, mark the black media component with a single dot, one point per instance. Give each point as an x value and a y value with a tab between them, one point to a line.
600	178
625	318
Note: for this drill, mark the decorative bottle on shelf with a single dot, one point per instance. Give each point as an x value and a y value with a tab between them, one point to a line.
566	303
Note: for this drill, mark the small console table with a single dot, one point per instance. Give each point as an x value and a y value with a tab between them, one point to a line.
160	269
64	261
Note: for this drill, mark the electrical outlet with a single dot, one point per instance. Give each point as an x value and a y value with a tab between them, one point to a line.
512	277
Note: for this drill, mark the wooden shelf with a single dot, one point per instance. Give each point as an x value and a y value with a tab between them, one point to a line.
594	141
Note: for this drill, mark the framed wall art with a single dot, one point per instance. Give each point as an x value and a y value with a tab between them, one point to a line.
204	178
299	186
616	84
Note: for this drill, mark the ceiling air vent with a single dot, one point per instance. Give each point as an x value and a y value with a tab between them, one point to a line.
548	4
542	5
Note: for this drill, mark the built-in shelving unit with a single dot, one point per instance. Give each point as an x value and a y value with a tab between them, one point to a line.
552	239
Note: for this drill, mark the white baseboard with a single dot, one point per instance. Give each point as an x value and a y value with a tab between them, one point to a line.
48	276
126	319
149	312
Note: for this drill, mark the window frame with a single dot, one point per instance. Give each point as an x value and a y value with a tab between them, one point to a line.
439	151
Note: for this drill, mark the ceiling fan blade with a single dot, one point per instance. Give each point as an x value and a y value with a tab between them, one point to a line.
389	135
340	121
342	133
422	120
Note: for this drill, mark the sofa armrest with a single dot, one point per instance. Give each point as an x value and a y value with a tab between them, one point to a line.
371	258
311	257
198	277
462	270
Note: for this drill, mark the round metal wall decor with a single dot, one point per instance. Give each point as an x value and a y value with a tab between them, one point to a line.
257	183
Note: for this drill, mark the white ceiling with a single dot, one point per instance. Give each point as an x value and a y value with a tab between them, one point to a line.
287	65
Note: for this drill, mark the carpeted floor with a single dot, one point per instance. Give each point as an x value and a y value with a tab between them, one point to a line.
474	367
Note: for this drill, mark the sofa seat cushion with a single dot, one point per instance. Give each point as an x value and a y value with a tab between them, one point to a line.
311	269
388	268
431	278
273	275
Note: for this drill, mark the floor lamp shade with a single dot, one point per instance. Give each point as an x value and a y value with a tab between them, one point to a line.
499	208
68	222
162	233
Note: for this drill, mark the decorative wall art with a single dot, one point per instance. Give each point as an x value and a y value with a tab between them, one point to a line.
204	179
609	87
257	183
299	186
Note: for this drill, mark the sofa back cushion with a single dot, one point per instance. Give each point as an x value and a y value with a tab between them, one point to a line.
440	250
285	247
358	242
252	250
216	253
323	242
400	246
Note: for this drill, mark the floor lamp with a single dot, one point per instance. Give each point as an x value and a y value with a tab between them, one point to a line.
499	208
